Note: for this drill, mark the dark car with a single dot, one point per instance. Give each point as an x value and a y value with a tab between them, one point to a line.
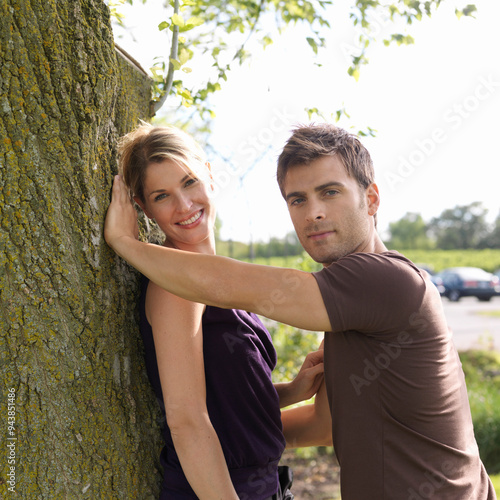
469	282
438	282
497	274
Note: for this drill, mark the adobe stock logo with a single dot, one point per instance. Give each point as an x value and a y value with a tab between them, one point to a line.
391	351
382	361
249	150
453	118
434	480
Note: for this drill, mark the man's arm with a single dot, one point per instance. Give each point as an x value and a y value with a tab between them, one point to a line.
286	295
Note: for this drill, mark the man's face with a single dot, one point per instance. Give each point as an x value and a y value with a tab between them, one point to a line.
331	213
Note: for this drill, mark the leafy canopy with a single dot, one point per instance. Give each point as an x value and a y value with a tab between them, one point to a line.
222	30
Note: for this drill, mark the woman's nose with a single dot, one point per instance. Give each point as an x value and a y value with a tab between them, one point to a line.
184	203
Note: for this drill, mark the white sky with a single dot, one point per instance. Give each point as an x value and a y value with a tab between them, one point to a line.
435	106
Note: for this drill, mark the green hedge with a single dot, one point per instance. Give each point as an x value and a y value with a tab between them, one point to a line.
482	375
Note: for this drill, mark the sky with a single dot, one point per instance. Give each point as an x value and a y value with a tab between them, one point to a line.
435	106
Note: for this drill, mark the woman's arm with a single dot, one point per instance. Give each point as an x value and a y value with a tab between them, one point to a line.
177	332
309	425
307	382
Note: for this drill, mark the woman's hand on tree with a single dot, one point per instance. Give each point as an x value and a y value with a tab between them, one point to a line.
121	219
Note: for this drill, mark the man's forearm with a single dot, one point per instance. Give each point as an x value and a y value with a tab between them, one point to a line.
302	427
286	295
181	273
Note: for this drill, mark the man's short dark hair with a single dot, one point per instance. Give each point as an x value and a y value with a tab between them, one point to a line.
310	142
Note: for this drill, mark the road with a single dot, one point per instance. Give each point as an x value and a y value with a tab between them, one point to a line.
473	324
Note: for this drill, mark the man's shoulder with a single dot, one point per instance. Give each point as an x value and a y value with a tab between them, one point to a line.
388	259
390	269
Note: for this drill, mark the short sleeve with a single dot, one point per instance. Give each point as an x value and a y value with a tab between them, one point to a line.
369	292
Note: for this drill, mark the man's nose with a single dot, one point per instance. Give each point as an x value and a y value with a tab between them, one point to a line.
315	211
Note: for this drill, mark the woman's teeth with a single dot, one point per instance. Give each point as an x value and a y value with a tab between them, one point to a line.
194	218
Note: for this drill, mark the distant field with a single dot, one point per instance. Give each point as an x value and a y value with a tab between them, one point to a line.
488	259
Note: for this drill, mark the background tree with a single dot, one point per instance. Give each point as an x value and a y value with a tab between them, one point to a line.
461	227
84	420
492	239
409	232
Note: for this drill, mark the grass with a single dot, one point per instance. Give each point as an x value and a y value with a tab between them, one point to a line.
494	314
496	483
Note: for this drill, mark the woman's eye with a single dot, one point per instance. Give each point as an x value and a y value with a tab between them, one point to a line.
160	196
191	181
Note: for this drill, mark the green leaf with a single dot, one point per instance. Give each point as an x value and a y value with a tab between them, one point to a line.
185	93
466	11
175	63
313	44
163	25
178	20
184	56
354	72
267	41
195	21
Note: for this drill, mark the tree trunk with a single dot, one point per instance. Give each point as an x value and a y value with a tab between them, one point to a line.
79	419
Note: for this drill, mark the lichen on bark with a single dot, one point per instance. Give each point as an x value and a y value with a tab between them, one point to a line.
86	423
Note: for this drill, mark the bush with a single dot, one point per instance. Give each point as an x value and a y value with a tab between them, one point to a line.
482	374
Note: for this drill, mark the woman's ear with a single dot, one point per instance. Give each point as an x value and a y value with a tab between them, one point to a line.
143	207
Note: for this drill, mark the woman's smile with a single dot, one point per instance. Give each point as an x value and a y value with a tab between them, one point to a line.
192	219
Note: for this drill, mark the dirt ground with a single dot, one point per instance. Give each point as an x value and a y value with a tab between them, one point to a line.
316	477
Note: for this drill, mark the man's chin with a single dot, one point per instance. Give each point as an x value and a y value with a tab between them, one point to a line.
326	258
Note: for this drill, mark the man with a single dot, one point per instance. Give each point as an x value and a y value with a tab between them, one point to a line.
401	421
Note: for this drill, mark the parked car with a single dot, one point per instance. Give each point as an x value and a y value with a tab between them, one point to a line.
438	281
469	282
433	277
497	274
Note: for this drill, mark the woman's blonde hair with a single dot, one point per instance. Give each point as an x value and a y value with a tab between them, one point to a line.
154	144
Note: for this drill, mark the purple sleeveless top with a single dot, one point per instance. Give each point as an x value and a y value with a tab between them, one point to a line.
241	400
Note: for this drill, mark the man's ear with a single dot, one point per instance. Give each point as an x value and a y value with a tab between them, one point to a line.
143	207
372	198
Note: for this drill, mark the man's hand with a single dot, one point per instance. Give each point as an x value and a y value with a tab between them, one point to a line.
307	382
121	219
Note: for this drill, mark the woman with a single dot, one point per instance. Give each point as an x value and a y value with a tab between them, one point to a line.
210	367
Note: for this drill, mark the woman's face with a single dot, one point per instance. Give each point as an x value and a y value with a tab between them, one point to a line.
179	202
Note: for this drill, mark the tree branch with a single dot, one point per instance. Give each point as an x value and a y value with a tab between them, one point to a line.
156	105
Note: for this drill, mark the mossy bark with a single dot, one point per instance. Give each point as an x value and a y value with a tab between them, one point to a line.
79	419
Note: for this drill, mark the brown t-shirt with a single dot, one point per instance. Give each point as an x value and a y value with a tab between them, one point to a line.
402	428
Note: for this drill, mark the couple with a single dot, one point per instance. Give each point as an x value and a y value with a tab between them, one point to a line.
398	410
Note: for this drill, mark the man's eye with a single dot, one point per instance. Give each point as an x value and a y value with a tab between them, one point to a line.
331	192
297	201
